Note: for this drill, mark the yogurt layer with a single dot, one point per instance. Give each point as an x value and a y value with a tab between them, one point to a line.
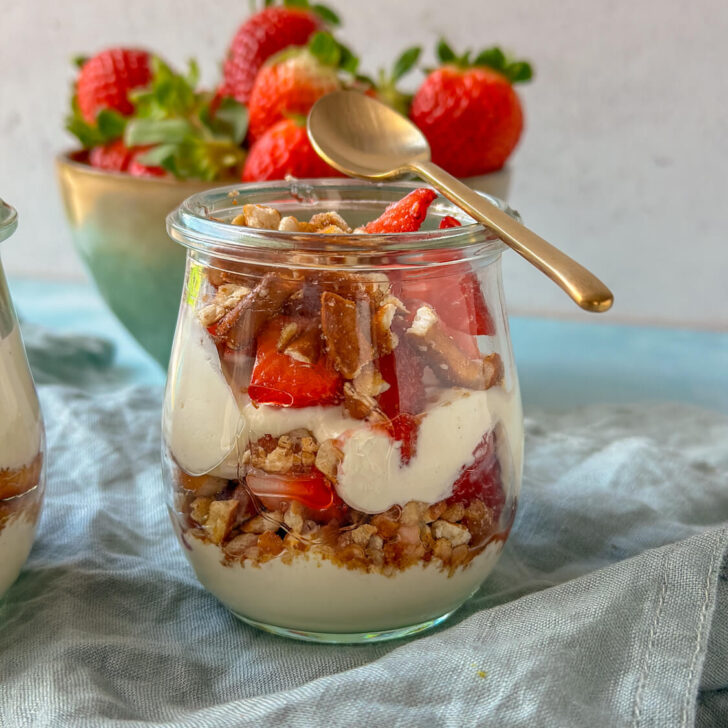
20	424
314	594
372	478
16	540
202	419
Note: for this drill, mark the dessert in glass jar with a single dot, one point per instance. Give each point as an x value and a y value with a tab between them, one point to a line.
342	428
21	436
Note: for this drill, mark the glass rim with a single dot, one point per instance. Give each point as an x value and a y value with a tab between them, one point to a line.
8	220
191	225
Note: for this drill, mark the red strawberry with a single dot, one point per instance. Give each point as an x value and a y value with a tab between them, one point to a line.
290	83
139	169
113	157
449	222
259	37
405	215
278	379
469	112
457	298
311	489
105	80
282	150
481	479
403	371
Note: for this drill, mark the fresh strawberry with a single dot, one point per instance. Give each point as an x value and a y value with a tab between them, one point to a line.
449	222
469	112
403	371
456	296
262	35
137	168
405	215
113	157
105	80
278	379
289	83
482	478
311	489
283	150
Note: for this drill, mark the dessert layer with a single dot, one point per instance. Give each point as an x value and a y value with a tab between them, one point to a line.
311	593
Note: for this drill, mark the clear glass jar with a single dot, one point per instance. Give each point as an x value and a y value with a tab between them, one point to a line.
342	428
22	471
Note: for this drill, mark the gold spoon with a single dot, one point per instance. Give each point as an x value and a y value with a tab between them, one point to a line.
362	137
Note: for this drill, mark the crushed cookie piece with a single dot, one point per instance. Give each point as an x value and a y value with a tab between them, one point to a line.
220	519
413	513
238	545
305	345
199	508
442	549
204	485
258	216
435	511
385	339
323	220
270	521
456	534
448	362
328	458
454	513
269	544
294	516
363	534
346	326
239	326
359	406
289	224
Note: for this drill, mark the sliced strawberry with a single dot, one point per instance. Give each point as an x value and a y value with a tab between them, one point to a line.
277	379
405	215
456	296
482	478
311	489
449	222
403	371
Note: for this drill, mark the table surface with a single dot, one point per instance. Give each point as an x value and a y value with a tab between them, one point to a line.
561	364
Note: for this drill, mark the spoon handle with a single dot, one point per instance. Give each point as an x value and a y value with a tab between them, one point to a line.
583	287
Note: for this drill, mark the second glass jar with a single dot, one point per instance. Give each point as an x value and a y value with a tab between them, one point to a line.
342	424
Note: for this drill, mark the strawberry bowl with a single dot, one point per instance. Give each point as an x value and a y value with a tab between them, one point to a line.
342	426
117	227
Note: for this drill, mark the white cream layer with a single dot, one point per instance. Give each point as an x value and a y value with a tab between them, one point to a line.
371	477
16	540
201	419
20	424
315	594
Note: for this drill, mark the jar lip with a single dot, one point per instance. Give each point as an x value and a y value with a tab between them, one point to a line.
8	220
191	223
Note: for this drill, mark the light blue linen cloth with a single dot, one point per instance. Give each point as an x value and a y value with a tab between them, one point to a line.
608	608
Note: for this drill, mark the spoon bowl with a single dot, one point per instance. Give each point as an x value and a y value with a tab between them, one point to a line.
365	138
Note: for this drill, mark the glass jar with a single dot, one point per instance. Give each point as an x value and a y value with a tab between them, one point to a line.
342	427
22	472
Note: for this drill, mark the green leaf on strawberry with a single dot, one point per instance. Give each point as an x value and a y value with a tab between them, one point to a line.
386	85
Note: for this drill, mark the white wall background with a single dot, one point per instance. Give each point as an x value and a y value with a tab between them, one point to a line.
623	162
